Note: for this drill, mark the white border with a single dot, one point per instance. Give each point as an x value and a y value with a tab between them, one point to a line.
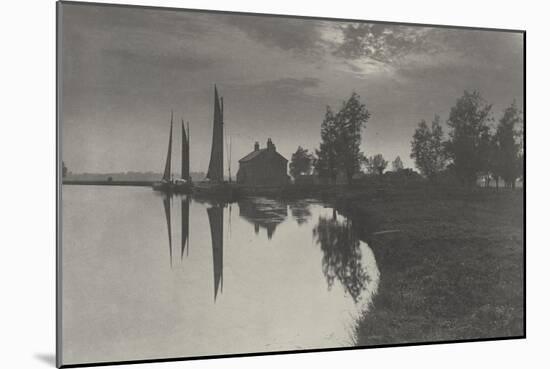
27	157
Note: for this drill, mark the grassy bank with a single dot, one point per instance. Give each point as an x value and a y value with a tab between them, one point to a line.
453	271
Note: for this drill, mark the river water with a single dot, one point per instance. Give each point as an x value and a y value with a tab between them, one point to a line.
147	276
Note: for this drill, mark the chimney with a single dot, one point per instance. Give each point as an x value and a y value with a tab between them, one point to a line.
270	145
256	146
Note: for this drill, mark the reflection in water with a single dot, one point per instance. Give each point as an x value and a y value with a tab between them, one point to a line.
263	213
167	202
168	211
215	217
215	220
300	211
342	256
184	225
278	294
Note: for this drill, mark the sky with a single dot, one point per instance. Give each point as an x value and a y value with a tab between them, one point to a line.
124	69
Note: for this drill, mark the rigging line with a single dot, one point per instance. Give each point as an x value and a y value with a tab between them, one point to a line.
227	149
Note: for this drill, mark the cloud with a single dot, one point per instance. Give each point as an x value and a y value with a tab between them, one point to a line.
383	43
164	61
288	86
288	34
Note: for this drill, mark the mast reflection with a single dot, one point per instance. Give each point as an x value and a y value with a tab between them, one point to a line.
184	225
168	213
185	205
215	218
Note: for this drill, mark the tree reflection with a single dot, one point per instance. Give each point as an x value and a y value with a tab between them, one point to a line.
341	254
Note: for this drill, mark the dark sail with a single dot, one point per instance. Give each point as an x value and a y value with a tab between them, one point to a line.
215	168
184	153
168	167
167	212
184	225
215	217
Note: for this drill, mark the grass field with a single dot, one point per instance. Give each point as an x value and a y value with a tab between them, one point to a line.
454	269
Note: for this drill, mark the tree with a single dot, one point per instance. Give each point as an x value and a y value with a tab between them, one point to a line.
326	163
376	164
341	139
397	164
428	149
520	139
351	119
301	162
508	155
469	137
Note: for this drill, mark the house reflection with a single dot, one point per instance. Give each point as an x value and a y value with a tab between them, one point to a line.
300	211
342	257
263	213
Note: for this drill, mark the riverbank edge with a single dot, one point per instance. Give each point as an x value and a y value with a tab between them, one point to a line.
451	259
455	271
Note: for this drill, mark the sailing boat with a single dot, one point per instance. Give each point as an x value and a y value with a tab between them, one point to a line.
183	184
214	184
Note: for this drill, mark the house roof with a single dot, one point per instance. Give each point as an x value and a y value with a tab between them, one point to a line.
252	155
257	153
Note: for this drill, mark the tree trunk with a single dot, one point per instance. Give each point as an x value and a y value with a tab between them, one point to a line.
496	181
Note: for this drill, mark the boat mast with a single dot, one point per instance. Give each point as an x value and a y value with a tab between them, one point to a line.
215	168
184	153
188	153
228	137
168	167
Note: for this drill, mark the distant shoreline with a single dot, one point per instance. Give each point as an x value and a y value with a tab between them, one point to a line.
107	183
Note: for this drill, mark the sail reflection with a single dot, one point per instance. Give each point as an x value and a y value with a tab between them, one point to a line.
184	225
343	258
263	213
168	213
185	203
215	218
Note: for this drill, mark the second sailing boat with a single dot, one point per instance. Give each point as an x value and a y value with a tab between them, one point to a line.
168	183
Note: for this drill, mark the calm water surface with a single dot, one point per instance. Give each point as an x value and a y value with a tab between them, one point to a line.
148	277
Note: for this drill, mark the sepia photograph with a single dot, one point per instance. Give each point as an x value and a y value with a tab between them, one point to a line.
239	184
